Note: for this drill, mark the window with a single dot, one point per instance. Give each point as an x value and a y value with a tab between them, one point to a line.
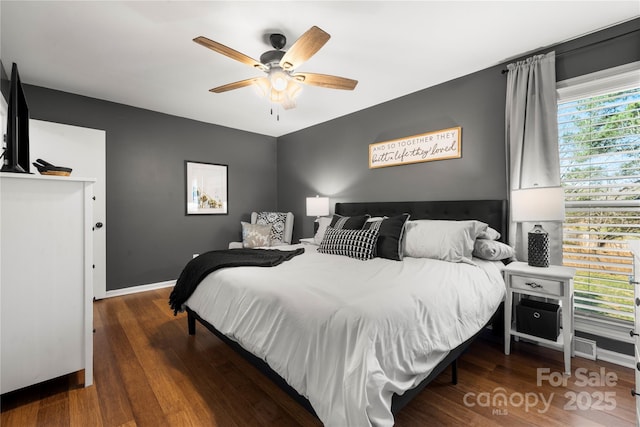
599	143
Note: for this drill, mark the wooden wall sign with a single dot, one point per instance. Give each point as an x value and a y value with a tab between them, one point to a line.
426	147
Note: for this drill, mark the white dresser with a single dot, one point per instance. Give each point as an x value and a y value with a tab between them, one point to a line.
46	282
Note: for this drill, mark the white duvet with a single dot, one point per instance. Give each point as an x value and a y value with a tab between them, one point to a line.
347	334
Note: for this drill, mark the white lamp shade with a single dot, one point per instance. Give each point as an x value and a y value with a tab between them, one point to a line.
537	204
317	206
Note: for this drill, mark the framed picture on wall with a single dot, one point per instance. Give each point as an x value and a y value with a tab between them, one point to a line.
206	188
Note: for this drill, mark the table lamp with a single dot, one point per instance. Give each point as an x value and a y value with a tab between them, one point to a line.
317	206
537	204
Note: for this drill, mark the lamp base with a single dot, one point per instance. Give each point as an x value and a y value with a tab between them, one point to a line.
538	246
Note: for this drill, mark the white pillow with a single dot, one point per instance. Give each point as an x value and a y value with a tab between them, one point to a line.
492	250
489	234
323	223
444	240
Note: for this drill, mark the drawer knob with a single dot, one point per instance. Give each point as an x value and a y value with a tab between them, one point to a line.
533	285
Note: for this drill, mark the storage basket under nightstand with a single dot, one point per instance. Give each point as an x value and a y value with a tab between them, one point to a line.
538	318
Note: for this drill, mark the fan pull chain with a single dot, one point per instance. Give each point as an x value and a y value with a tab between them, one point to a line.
277	112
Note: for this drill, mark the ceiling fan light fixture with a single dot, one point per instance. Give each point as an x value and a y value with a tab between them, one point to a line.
263	86
276	96
279	79
293	89
285	98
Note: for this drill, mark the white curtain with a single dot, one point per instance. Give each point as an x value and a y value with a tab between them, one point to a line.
532	141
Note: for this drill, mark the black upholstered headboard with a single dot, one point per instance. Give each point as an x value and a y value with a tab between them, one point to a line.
492	212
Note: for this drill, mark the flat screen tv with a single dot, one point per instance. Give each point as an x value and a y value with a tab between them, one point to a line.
16	155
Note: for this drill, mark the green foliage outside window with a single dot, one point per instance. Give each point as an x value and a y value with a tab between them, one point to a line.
599	142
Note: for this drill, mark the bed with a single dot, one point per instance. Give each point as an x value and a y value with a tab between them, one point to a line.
353	341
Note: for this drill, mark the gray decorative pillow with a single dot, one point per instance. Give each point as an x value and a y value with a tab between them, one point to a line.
255	235
277	222
492	250
358	244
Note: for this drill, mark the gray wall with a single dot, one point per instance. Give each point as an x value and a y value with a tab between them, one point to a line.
331	159
149	237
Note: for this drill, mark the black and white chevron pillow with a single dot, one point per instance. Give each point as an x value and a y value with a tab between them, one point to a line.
277	220
359	244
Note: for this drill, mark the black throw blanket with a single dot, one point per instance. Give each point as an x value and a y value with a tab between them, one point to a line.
199	267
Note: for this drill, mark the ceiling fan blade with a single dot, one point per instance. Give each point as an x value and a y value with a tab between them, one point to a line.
325	80
304	48
236	85
227	51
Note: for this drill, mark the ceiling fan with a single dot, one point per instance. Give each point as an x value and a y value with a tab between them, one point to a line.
282	81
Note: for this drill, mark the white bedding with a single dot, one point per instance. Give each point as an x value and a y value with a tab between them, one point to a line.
347	334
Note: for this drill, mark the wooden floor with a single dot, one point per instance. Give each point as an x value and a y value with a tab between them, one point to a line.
149	372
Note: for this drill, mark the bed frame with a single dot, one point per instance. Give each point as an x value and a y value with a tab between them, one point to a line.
492	212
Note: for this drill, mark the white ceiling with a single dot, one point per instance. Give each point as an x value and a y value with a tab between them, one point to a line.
141	53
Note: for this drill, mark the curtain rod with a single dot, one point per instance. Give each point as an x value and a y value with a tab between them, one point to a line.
505	71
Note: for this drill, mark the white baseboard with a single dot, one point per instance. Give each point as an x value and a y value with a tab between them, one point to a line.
139	288
615	330
614	357
625	360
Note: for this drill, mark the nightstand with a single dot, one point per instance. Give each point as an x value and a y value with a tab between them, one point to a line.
553	282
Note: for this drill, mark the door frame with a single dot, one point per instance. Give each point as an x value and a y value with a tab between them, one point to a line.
85	153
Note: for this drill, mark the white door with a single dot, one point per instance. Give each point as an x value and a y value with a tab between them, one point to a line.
83	150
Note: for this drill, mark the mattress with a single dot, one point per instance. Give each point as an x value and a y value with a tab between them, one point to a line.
348	334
